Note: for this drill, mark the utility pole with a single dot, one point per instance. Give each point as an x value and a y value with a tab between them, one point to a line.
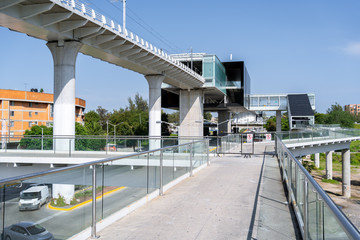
124	15
191	58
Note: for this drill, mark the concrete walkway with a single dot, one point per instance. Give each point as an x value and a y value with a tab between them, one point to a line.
220	202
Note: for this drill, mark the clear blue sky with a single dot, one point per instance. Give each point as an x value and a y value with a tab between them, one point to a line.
288	47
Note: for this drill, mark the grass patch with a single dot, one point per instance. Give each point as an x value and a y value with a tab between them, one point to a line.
332	181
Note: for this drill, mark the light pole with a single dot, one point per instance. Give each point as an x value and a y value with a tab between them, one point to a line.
42	139
114	125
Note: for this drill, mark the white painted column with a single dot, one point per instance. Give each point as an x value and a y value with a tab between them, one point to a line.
346	179
191	113
224	123
64	56
328	168
155	82
317	160
278	120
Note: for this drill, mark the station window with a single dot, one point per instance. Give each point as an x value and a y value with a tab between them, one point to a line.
30	123
11	123
12	113
12	103
36	113
30	114
30	104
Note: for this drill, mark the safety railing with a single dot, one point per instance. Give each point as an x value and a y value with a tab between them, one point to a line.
318	135
79	197
82	144
244	143
317	215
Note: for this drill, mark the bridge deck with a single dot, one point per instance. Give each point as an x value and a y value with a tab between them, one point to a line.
234	198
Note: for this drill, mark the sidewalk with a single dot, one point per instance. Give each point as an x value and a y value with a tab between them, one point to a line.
220	202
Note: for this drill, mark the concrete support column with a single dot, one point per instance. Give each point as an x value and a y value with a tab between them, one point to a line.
155	82
346	180
328	167
65	190
224	123
278	120
191	113
317	160
64	56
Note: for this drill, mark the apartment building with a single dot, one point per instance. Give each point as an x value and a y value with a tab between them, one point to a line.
353	108
20	110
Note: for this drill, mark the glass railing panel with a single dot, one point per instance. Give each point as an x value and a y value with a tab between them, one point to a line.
315	214
332	229
168	164
300	191
181	161
36	143
93	144
124	182
51	201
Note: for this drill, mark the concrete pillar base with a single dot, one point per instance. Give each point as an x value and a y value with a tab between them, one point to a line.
328	168
154	82
317	160
346	178
224	123
65	190
64	56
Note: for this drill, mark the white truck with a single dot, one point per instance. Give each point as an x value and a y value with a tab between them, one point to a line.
34	197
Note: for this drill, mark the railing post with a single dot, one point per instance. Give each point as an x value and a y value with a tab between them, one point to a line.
69	147
161	190
3	212
207	151
93	222
191	159
306	217
147	173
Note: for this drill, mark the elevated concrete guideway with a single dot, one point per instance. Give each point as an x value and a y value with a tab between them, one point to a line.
69	27
68	20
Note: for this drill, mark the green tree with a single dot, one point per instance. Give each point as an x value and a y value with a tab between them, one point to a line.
336	115
270	124
174	117
32	138
207	116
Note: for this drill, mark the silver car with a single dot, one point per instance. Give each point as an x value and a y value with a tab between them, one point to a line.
27	231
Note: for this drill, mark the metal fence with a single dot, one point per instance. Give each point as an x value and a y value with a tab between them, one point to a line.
96	190
317	215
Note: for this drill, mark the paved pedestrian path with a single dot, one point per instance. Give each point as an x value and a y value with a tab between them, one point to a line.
234	198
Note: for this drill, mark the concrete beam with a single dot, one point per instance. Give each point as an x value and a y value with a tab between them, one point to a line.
346	176
303	149
64	91
191	113
155	82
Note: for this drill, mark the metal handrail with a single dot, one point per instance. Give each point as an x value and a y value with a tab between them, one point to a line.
344	222
96	162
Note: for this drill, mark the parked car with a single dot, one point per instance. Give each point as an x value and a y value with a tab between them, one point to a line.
34	197
27	231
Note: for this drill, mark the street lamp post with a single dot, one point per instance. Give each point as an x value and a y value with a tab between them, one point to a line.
114	125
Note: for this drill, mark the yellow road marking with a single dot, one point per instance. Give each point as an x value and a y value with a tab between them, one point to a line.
83	203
